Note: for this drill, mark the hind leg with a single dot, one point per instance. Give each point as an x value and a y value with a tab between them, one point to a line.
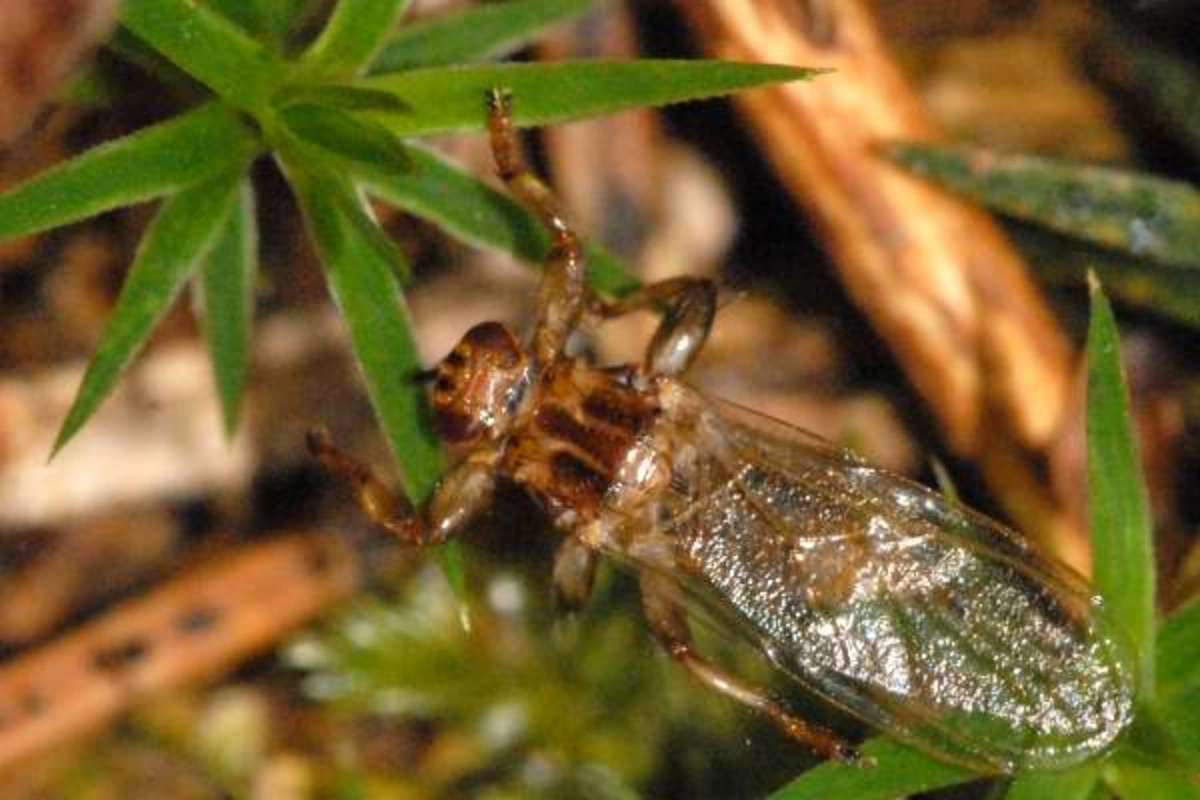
670	626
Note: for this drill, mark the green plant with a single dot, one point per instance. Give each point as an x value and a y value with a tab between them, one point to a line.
1161	751
339	116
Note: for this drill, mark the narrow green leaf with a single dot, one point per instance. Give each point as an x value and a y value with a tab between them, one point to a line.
355	32
473	34
1177	688
1177	650
363	282
1172	293
226	291
155	161
179	86
346	136
364	286
1072	784
1136	783
1123	557
1172	85
246	14
267	20
209	47
474	212
898	771
451	98
181	234
1149	217
338	95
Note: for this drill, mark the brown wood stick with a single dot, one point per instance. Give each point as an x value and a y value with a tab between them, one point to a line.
934	274
190	630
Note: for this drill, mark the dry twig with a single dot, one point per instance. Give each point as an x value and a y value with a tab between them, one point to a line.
190	630
935	275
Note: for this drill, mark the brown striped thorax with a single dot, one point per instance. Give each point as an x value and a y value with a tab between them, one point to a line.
918	616
561	430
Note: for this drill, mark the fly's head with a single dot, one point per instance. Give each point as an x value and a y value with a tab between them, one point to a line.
479	385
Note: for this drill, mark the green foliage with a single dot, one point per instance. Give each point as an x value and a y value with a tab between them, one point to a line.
160	160
1171	293
472	34
575	703
181	236
226	300
1123	565
1171	82
1155	756
897	771
1139	232
1145	216
313	113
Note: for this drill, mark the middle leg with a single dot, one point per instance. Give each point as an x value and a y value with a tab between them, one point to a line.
688	306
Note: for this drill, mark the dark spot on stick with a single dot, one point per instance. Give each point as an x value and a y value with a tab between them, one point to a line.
198	620
120	655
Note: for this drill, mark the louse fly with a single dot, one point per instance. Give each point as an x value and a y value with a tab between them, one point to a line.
918	616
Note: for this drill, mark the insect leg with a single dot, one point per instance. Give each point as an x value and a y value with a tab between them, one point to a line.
562	292
458	497
574	572
688	306
669	623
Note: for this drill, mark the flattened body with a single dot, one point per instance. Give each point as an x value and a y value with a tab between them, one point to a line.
918	616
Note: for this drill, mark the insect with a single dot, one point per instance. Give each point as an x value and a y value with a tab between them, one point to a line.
918	616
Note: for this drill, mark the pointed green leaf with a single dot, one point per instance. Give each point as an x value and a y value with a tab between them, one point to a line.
1136	783
1122	544
346	136
1177	650
1072	784
364	286
226	290
183	231
158	160
209	47
337	95
363	282
1172	293
1149	217
470	210
451	98
1177	688
356	30
267	20
898	771
473	34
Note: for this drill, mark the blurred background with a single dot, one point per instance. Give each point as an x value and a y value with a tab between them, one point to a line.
279	647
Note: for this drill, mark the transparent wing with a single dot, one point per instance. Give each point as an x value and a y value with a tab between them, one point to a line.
920	617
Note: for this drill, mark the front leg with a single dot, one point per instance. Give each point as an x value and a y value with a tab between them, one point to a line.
460	495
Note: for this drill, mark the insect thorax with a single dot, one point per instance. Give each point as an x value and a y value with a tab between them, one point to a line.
578	431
